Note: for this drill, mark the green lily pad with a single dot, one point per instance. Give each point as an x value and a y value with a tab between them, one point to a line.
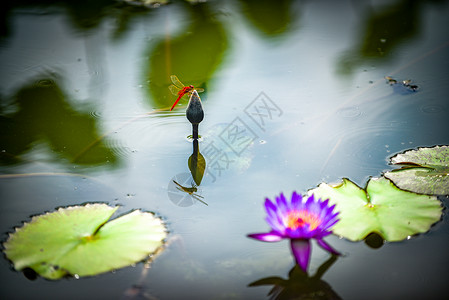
381	208
80	241
424	171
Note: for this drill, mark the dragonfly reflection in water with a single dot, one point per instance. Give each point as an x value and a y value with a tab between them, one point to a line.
179	89
190	190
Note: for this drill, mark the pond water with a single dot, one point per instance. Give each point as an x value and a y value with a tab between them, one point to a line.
295	95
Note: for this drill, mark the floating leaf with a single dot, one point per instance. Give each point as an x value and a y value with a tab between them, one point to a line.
381	207
424	171
80	241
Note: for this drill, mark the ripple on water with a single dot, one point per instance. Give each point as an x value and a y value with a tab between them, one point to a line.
189	138
133	134
369	146
117	147
432	109
95	114
45	82
350	112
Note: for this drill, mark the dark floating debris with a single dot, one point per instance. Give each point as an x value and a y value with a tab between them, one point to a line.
412	87
408	84
390	80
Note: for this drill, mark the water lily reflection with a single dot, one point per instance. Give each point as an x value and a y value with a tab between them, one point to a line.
299	285
299	220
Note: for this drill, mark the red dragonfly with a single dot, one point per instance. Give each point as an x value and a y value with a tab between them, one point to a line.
177	88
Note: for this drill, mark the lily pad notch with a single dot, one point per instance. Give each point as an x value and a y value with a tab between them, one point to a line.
83	241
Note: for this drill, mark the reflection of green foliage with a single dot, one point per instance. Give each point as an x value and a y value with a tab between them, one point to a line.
425	171
300	285
87	14
385	30
84	14
389	27
125	16
381	207
43	114
145	3
80	241
4	19
192	56
270	17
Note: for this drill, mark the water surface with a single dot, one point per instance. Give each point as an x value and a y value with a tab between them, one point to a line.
84	118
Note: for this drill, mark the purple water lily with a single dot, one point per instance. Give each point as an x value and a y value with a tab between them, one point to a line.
299	220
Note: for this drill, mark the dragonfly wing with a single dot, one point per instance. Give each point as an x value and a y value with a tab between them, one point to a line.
199	90
173	89
196	198
176	81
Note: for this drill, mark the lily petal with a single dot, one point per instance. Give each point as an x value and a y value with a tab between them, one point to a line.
272	236
296	199
331	222
282	205
323	204
301	252
270	207
310	201
327	247
275	223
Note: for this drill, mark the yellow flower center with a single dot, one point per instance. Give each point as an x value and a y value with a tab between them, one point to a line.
296	219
